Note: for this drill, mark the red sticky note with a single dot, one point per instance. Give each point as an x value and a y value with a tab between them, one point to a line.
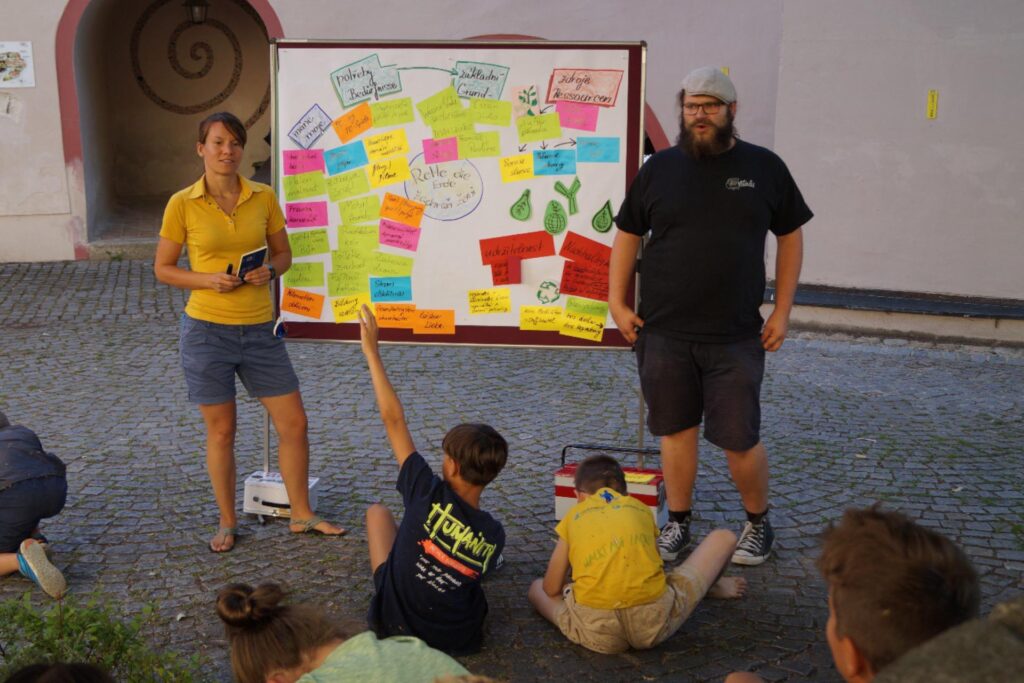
507	271
522	246
586	251
303	161
432	321
302	303
577	116
305	214
579	280
436	151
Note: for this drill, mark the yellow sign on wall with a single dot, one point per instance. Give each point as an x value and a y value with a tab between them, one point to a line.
933	104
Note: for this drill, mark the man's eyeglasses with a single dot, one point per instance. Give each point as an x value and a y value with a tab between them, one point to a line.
709	108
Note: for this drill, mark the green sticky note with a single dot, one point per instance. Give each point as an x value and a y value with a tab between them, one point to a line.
490	112
359	210
432	106
361	238
351	259
305	275
457	122
392	112
348	184
390	265
309	242
347	282
574	304
537	128
302	185
480	145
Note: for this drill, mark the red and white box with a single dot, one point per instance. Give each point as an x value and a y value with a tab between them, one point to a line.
646	485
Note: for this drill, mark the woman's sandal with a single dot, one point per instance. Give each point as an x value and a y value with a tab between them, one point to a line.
222	533
309	526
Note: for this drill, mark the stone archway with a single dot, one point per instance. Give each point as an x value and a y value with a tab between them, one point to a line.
134	80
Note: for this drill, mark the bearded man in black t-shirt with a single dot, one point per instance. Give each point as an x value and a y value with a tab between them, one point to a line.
708	204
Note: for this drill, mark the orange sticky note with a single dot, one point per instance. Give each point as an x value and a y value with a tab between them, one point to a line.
349	125
400	209
396	316
433	321
302	302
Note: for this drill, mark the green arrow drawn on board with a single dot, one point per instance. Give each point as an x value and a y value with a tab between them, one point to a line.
450	72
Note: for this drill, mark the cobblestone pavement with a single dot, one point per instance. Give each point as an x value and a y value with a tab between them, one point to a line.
89	361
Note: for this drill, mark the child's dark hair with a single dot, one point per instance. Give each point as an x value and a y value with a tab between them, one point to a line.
479	450
893	583
230	121
265	634
60	673
598	472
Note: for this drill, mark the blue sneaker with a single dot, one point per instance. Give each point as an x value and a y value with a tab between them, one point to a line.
33	563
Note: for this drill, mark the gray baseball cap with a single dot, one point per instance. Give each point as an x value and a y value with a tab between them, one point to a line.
707	80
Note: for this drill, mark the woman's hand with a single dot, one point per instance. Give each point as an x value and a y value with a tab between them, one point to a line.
258	276
368	334
222	282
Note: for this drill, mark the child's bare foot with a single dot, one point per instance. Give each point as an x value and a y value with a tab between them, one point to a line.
728	588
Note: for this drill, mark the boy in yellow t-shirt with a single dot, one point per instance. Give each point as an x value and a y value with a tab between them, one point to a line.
620	596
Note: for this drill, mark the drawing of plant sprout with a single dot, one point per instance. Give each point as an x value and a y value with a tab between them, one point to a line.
528	96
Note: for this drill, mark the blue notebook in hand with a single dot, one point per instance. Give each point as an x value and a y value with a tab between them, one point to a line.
251	261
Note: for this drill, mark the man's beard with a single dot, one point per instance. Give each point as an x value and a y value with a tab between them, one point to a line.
700	148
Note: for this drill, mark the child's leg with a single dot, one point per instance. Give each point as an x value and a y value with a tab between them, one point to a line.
8	563
381	531
709	560
542	602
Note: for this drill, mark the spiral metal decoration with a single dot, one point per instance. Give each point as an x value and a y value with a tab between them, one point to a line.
199	51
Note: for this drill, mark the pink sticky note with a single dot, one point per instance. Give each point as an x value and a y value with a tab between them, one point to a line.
443	149
400	235
303	161
306	214
578	116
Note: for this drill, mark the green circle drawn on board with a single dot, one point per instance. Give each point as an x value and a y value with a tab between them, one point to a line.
548	292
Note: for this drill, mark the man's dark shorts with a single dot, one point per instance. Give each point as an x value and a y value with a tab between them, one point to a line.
683	381
24	504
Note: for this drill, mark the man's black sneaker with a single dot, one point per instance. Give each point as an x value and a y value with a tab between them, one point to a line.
755	543
674	539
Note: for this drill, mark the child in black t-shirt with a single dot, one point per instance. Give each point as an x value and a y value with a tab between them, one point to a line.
427	571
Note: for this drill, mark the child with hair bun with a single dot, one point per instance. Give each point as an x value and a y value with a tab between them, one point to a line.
273	641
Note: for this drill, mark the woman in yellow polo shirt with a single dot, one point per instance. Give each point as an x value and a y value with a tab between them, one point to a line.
227	327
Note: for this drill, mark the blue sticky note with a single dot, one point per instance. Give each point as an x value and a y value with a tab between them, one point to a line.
554	162
597	150
390	289
345	158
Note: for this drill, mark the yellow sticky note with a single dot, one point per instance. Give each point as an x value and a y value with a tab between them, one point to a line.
358	238
432	107
389	172
392	112
537	128
389	144
545	318
638	478
496	300
933	104
518	167
582	326
725	70
348	184
359	210
472	145
591	307
346	308
342	283
490	112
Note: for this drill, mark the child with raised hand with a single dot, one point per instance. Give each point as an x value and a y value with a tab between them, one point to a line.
620	596
275	642
427	571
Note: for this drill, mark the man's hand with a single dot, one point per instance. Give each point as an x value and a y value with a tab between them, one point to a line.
368	333
222	282
774	331
627	321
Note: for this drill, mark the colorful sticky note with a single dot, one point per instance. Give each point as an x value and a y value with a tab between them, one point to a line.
303	303
358	238
577	116
585	86
582	326
348	184
439	151
537	128
497	300
305	214
543	318
309	242
597	150
518	167
403	210
432	107
389	171
392	112
305	275
394	316
597	309
391	289
554	162
638	478
490	112
391	265
472	145
480	79
428	321
303	185
351	260
454	122
389	144
346	308
351	124
359	210
303	161
523	246
507	271
589	252
399	235
347	283
346	157
582	280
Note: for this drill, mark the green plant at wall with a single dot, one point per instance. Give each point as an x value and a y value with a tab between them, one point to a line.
88	631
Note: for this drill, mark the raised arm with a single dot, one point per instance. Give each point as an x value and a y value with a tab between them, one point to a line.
165	267
391	413
620	275
788	260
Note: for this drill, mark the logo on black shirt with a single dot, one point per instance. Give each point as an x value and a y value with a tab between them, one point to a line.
737	184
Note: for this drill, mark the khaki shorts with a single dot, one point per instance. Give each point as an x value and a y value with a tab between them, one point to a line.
640	627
